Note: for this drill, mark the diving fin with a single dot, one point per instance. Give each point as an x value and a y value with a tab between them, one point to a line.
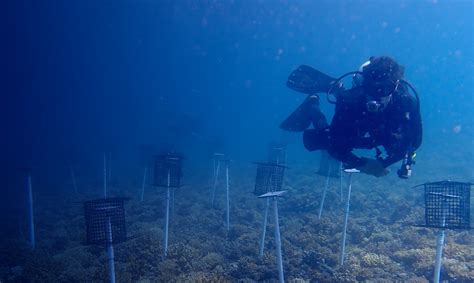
302	117
308	80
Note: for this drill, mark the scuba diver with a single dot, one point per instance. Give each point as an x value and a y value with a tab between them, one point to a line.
378	110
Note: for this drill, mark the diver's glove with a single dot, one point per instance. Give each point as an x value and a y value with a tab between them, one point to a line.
373	167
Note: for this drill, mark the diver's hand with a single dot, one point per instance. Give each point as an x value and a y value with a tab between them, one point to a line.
373	167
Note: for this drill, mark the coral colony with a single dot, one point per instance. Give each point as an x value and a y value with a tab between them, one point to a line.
168	174
447	206
268	184
219	159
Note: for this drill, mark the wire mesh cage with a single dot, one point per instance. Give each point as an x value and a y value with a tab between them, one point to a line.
276	153
168	170
447	205
269	178
219	156
105	221
329	166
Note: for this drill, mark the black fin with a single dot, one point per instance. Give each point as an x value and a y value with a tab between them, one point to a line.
308	80
302	117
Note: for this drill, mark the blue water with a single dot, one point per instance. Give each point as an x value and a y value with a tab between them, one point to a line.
86	77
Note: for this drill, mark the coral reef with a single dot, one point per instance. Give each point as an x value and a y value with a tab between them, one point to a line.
382	244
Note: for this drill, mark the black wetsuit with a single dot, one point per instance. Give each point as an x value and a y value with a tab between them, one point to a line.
397	128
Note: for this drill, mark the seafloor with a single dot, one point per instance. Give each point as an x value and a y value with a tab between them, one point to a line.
382	243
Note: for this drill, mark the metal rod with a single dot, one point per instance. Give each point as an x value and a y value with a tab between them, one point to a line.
143	184
346	218
227	195
340	182
167	219
73	179
30	212
439	246
213	169
262	241
172	202
439	255
278	241
324	192
110	252
215	181
105	175
109	172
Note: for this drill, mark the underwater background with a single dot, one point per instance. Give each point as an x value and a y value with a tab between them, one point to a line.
130	79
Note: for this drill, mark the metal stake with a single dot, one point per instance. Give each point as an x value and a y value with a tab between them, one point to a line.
346	218
143	184
324	192
73	179
439	246
105	175
110	252
215	181
278	241
167	219
262	242
227	194
30	211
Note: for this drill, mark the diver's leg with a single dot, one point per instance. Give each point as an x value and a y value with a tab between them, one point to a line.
319	120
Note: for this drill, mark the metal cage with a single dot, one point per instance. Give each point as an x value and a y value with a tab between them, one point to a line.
447	205
276	153
105	221
269	178
168	170
219	157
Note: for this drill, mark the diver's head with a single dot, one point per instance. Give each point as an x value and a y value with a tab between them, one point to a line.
380	80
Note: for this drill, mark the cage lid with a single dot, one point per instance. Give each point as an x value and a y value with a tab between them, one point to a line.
269	178
105	221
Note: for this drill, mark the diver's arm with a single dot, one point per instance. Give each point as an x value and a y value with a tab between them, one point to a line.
407	138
